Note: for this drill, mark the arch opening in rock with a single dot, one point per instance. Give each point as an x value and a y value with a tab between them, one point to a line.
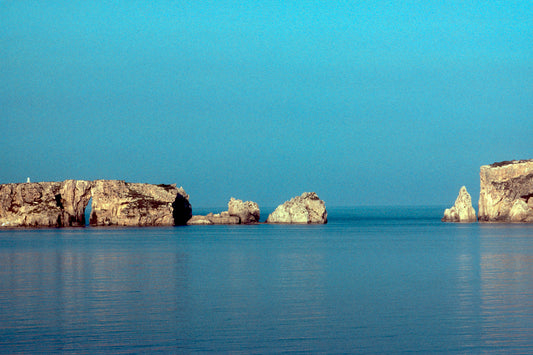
87	212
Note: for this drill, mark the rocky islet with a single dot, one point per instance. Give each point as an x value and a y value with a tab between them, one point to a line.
114	203
120	203
462	211
506	195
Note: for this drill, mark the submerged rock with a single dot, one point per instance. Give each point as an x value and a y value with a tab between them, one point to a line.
307	208
506	192
462	210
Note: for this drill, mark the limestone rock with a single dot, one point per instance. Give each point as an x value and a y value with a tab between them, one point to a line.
521	212
44	204
502	185
462	210
62	204
218	218
75	195
248	212
116	202
307	208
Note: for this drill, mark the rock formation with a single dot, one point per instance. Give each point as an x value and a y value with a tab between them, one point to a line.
44	204
134	204
218	218
462	210
307	208
62	204
238	212
248	212
506	192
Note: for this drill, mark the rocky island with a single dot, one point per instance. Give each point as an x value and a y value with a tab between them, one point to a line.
304	209
120	203
505	195
462	211
238	212
506	192
114	203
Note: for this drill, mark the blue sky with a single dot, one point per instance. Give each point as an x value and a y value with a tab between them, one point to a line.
366	103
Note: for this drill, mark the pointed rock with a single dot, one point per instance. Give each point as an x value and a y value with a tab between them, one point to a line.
462	210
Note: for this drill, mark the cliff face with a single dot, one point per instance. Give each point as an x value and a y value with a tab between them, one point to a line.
506	192
133	204
462	210
44	204
62	204
307	208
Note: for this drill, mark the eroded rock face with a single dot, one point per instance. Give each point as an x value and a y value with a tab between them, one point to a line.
217	218
248	212
462	210
62	204
506	192
307	208
44	204
120	203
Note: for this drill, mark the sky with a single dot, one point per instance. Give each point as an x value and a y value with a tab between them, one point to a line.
363	102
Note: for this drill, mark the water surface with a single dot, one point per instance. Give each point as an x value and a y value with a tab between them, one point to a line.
372	280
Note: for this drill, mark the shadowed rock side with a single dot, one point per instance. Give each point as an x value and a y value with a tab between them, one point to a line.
506	192
238	212
44	204
135	204
307	208
462	210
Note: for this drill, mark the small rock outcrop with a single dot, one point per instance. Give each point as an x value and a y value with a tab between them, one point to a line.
506	192
462	210
218	218
304	209
248	212
238	212
120	203
44	204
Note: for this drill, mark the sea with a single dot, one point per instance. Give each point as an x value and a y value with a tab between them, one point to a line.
373	280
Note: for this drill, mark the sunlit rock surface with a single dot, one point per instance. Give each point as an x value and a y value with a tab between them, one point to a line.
506	192
120	203
248	212
114	202
217	218
462	210
238	212
307	208
44	204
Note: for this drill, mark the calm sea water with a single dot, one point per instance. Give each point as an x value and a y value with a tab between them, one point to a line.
372	280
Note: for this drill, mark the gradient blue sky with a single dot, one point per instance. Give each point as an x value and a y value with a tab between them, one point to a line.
366	103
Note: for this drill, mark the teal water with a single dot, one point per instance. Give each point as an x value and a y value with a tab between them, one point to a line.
372	280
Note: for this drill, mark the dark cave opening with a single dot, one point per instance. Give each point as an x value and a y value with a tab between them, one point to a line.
181	210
